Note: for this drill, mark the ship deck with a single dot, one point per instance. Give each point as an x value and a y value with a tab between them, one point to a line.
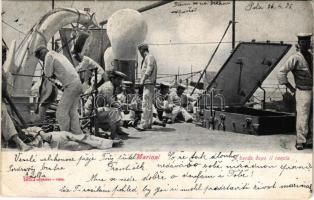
189	137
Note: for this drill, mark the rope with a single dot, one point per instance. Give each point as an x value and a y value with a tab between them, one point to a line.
43	36
5	44
66	44
14	74
191	76
210	42
178	75
210	60
189	73
166	76
277	88
26	37
28	45
257	98
13	27
22	102
48	78
27	49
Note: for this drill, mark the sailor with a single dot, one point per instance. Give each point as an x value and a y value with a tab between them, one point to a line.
136	104
156	120
48	93
64	140
301	64
57	66
8	130
162	102
85	66
148	80
178	102
125	98
107	106
125	91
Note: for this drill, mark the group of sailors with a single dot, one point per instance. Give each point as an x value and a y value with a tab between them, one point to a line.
117	103
149	105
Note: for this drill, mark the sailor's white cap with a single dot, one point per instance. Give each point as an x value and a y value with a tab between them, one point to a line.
143	46
181	86
127	83
164	84
304	36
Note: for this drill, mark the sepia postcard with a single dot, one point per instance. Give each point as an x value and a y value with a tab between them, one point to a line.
157	99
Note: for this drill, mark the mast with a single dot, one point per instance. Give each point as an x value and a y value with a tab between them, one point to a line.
233	24
191	74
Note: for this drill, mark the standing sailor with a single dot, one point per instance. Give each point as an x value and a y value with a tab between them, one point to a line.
148	80
301	66
57	66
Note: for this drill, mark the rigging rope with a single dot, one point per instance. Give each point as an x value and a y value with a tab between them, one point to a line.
173	75
210	60
201	43
13	27
14	74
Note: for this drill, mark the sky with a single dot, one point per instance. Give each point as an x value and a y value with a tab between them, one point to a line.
183	35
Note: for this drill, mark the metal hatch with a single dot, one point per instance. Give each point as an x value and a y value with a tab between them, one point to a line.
245	69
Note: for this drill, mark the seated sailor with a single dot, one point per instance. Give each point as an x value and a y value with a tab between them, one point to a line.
162	102
178	102
108	108
128	106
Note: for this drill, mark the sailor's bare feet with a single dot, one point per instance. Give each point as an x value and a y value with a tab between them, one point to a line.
20	144
37	142
24	147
